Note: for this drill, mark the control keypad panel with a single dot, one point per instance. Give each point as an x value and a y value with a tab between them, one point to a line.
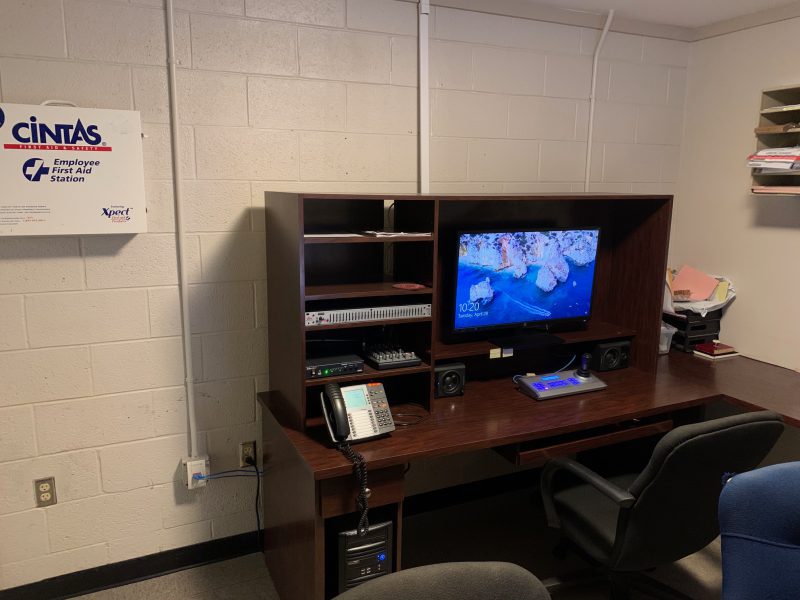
555	385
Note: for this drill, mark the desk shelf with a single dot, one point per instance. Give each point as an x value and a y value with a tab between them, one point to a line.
779	107
365	239
397	409
538	453
360	290
369	374
596	331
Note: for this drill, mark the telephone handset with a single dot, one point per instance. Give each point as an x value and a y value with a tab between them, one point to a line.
357	412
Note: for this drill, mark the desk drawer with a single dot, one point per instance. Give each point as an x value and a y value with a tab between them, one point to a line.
538	452
338	496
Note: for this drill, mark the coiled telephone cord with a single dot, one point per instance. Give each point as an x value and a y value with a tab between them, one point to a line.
360	471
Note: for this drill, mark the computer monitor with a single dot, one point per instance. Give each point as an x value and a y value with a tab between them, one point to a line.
518	279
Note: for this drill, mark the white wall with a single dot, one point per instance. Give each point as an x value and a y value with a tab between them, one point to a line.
718	226
315	95
510	107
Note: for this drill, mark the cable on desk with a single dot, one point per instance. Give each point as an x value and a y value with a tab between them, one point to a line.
571	360
517	377
418	418
360	471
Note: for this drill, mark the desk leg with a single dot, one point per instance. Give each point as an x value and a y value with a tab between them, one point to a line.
294	532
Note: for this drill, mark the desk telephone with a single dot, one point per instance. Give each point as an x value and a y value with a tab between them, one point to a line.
353	414
357	412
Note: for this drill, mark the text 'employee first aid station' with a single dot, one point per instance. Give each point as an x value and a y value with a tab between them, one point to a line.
69	170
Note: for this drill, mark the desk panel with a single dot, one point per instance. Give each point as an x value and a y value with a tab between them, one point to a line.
310	481
493	413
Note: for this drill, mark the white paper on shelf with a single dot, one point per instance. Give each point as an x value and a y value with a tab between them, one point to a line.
701	307
775	158
773	168
373	233
332	235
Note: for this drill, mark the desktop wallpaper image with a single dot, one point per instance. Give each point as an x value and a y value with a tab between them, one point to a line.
523	277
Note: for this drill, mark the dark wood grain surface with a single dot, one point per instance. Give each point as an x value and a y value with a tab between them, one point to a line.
567	196
494	413
349	239
359	290
596	331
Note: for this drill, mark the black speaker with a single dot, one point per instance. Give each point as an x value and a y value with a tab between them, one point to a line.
450	379
611	356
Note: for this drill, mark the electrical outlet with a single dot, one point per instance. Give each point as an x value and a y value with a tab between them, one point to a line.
247	450
45	491
195	466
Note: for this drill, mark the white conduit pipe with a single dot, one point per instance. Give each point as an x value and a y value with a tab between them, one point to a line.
424	100
590	135
181	235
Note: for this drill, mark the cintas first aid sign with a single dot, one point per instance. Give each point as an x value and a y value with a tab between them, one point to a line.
70	170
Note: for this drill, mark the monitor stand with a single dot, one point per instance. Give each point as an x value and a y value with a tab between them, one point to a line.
528	340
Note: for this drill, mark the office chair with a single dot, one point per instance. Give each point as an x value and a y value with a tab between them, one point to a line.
759	519
453	581
635	522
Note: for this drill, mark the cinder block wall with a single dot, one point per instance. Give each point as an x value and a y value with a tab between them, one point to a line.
315	95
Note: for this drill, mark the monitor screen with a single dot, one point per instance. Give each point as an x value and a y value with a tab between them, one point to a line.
516	278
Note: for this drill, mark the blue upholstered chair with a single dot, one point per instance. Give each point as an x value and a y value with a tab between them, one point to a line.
759	517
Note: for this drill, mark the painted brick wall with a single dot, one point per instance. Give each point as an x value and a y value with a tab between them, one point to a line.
530	82
315	95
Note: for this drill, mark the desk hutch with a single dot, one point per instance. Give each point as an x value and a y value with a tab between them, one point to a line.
314	264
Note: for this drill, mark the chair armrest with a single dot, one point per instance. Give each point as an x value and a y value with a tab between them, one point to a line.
620	497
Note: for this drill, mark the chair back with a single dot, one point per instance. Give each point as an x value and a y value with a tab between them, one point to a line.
759	519
453	581
677	494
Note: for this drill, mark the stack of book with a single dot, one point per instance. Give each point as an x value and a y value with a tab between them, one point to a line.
775	160
715	351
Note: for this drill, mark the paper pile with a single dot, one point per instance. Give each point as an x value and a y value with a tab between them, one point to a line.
695	291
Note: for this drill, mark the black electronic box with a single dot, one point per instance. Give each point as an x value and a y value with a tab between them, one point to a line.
362	558
329	366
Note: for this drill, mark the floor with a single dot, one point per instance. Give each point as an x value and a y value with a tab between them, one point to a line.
243	578
437	536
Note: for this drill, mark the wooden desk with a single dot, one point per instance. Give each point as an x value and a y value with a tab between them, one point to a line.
307	482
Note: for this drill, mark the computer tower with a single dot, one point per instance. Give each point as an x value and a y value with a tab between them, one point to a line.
363	558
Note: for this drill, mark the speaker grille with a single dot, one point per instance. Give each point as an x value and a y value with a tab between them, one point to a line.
450	379
610	356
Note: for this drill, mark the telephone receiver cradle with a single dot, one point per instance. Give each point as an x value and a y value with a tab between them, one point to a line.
356	413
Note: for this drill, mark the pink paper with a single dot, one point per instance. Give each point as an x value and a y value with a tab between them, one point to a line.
698	283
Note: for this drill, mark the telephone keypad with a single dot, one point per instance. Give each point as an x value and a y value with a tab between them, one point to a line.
380	406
